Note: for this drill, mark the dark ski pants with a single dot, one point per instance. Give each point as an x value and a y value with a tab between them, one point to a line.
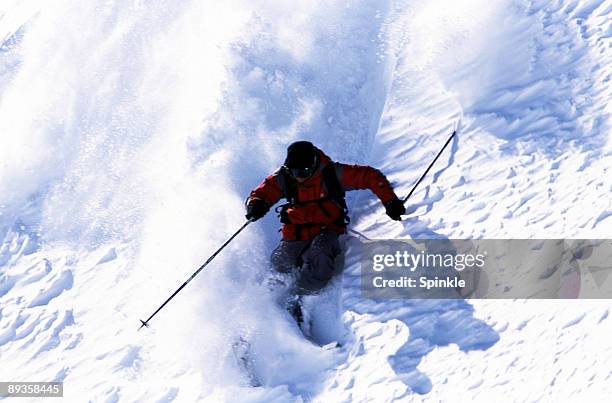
312	261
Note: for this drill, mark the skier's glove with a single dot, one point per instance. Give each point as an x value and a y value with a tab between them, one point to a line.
256	208
395	208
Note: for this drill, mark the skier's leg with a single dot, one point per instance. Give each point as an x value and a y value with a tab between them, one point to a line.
285	260
318	262
324	310
287	255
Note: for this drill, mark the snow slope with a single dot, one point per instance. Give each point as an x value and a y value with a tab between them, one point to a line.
131	133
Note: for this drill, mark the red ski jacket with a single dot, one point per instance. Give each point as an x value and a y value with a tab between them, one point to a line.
314	210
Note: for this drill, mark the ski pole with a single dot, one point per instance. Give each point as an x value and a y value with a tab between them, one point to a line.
146	322
429	167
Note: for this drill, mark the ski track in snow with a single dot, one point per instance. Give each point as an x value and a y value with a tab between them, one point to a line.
117	182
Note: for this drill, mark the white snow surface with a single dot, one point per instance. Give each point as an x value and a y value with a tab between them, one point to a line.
132	131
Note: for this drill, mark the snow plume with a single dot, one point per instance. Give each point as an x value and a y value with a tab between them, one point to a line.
96	168
96	116
131	133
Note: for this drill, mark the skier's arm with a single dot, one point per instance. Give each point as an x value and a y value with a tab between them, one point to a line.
365	177
263	197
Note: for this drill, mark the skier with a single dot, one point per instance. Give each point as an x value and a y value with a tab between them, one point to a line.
315	213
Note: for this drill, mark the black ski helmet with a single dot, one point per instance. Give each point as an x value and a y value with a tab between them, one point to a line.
302	158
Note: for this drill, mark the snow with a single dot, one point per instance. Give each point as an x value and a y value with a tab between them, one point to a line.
131	132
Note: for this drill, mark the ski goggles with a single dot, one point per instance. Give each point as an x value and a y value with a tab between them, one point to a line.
304	172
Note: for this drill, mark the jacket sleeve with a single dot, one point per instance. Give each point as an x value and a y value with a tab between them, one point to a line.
269	191
365	177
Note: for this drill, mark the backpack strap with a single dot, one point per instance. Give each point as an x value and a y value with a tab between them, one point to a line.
288	186
335	190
